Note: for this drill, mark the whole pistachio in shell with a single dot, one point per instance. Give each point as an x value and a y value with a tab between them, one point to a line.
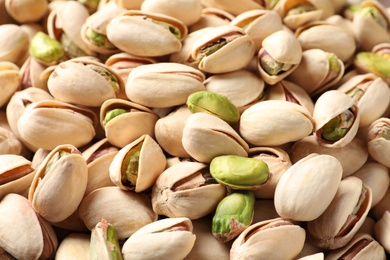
206	136
370	62
315	178
378	140
10	81
211	17
59	183
275	122
381	230
104	242
13	49
146	33
336	117
9	143
233	215
163	84
24	233
74	246
30	72
131	168
223	49
171	238
274	238
187	190
343	217
234	7
46	50
26	11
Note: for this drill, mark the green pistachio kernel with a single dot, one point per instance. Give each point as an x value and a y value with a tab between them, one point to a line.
107	75
375	63
233	215
111	114
71	49
96	38
214	104
300	9
211	48
129	168
375	14
338	126
334	65
91	5
271	4
238	172
104	242
46	49
55	159
271	66
175	31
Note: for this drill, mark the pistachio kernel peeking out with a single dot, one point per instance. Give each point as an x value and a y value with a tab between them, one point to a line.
271	66
338	126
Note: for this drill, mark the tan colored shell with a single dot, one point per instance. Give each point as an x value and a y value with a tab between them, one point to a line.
206	136
47	124
163	84
325	230
26	11
382	229
13	49
30	72
329	105
171	200
275	122
258	239
233	7
314	178
131	33
127	211
9	143
313	72
211	17
156	241
74	246
378	147
10	81
127	127
235	55
147	172
25	234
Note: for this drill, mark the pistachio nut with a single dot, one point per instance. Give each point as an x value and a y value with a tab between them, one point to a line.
279	56
343	217
14	47
104	242
352	156
370	62
233	215
381	230
91	5
211	17
171	238
318	71
261	239
74	246
125	121
30	72
131	168
147	84
206	136
45	49
26	11
59	183
223	49
127	211
187	190
315	178
10	81
361	246
24	233
127	4
378	140
9	143
235	8
336	117
238	172
135	31
275	122
47	124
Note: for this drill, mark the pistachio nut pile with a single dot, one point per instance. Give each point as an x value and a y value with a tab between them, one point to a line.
194	129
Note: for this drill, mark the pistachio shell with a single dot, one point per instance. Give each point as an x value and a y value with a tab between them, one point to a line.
233	7
13	49
9	143
382	228
30	72
26	11
211	17
74	245
10	80
378	143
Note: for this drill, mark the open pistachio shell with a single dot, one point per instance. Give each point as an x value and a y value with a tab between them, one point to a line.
336	115
104	242
13	49
47	124
9	143
59	183
166	238
147	84
74	246
234	7
261	239
10	81
26	11
187	190
125	121
378	140
31	74
343	217
24	233
131	168
206	136
211	17
382	229
275	122
135	32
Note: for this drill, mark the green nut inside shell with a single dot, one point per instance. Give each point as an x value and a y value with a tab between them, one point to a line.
373	62
104	242
300	9
111	114
210	48
238	172
55	159
271	66
46	49
214	104
172	29
98	39
130	165
233	215
375	14
107	75
71	49
338	126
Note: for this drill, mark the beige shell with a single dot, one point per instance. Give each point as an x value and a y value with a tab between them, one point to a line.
313	73
275	122
206	136
127	127
179	192
56	194
382	206
329	105
25	234
13	49
211	17
343	217
234	55
233	7
130	32
378	146
156	241
375	100
9	143
314	178
261	239
26	11
74	246
10	81
163	84
147	172
352	156
382	229
47	124
127	211
30	72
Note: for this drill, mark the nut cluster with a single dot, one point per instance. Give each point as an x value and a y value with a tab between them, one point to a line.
194	129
